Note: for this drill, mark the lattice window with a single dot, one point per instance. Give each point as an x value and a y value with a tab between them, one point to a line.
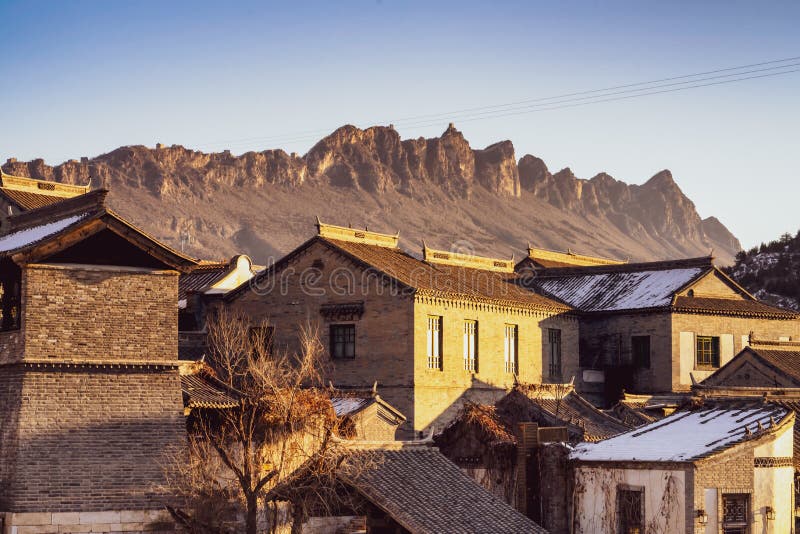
630	511
707	353
554	352
471	345
735	513
434	342
510	348
343	341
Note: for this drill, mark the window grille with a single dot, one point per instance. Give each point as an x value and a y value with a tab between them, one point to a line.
630	511
707	353
471	346
735	513
434	342
554	351
343	341
510	348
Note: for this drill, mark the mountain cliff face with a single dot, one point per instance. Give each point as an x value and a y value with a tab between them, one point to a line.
441	189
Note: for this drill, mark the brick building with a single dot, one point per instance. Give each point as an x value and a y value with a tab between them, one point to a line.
91	395
651	327
433	331
718	467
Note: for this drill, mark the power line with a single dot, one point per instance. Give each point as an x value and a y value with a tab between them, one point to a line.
595	98
550	103
741	67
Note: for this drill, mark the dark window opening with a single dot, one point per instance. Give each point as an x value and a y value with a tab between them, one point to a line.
261	338
554	352
735	513
343	341
707	352
640	347
630	511
10	295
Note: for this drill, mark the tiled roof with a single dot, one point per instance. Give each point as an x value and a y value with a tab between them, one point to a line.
443	280
616	288
30	236
427	494
556	407
732	307
788	361
688	435
202	391
200	278
28	200
344	406
27	230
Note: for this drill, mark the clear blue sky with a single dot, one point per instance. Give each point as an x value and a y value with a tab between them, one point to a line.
81	78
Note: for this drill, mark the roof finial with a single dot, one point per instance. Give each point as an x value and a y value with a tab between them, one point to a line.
375	388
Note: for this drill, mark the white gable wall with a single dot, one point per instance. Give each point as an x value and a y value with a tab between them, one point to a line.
596	506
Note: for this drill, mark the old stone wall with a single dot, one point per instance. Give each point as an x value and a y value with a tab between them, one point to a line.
10	400
440	393
736	329
99	313
320	277
127	521
11	346
92	438
606	340
554	487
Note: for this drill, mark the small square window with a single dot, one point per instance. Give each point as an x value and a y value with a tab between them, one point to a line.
707	352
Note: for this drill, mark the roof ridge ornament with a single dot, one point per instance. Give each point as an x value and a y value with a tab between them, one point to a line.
570	257
343	233
459	259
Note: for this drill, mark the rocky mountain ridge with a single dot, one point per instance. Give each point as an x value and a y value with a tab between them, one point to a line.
440	189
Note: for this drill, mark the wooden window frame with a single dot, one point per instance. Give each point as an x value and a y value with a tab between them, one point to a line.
640	490
434	344
554	352
511	348
706	352
471	345
344	335
641	360
735	526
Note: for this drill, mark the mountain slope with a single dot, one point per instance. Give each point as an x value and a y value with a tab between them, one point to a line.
440	189
772	271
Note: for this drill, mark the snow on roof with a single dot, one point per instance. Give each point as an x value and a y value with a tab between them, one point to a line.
684	436
28	236
619	290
